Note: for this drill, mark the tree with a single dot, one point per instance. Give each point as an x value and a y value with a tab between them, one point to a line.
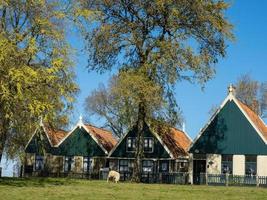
117	103
159	43
253	93
36	74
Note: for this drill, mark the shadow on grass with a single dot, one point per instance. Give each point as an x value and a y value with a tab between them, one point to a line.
35	182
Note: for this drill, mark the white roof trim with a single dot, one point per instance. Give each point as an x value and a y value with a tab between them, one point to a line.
118	143
41	125
250	121
156	135
230	97
81	125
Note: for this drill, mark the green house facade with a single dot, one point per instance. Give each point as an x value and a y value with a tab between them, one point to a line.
81	151
162	152
234	141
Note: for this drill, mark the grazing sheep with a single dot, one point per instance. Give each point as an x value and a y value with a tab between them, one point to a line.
114	176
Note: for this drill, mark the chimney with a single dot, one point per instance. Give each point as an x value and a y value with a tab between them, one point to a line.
231	90
183	127
80	123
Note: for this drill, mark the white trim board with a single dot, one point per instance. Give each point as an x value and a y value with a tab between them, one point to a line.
230	97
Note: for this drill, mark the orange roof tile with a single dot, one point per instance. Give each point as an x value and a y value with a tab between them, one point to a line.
176	141
55	135
255	119
104	137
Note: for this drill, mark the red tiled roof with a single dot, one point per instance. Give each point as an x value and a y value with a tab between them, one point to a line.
104	137
55	135
176	141
255	119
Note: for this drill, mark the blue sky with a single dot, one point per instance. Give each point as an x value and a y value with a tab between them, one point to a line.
247	54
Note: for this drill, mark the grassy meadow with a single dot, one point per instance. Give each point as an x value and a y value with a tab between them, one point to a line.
51	188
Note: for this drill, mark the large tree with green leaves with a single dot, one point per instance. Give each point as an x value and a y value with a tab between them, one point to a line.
157	43
253	93
36	74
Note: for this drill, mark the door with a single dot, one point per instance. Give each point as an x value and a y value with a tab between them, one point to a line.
199	168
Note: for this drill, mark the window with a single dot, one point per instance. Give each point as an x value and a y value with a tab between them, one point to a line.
39	163
69	163
251	165
87	164
123	165
164	166
148	145
147	166
227	164
131	144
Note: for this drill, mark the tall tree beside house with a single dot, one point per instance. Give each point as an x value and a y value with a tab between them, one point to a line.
117	103
36	74
157	43
253	93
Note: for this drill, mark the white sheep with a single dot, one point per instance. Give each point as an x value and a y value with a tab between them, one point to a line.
114	175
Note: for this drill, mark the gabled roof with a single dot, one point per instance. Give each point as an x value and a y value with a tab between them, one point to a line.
257	121
103	137
174	141
54	135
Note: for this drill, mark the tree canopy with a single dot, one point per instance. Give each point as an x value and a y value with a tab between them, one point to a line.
155	44
253	93
36	73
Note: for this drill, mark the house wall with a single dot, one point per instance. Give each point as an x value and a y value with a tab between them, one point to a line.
79	143
190	168
230	132
262	165
30	159
56	164
238	164
78	165
158	151
213	163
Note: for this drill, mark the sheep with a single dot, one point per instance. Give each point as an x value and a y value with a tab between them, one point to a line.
114	175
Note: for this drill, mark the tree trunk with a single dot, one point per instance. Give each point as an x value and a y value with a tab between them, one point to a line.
139	144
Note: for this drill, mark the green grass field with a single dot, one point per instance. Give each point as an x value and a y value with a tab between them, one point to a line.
54	189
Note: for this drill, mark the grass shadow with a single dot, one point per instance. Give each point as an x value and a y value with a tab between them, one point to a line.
35	182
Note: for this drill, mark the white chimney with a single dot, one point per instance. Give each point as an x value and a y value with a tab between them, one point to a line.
80	123
231	90
183	127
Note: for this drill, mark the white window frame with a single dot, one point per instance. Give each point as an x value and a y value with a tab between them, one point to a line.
153	143
132	139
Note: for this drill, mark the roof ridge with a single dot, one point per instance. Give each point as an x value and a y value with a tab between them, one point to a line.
87	124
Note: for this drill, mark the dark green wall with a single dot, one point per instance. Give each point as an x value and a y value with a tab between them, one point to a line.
35	145
230	133
79	143
159	151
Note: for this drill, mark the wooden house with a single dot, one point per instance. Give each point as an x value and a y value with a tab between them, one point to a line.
234	141
82	150
163	151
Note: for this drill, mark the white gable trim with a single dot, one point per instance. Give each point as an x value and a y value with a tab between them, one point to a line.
250	121
156	135
230	97
41	125
81	125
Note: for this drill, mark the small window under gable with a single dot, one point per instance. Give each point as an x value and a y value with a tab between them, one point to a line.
148	144
131	144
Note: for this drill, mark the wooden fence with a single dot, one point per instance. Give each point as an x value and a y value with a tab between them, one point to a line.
233	180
